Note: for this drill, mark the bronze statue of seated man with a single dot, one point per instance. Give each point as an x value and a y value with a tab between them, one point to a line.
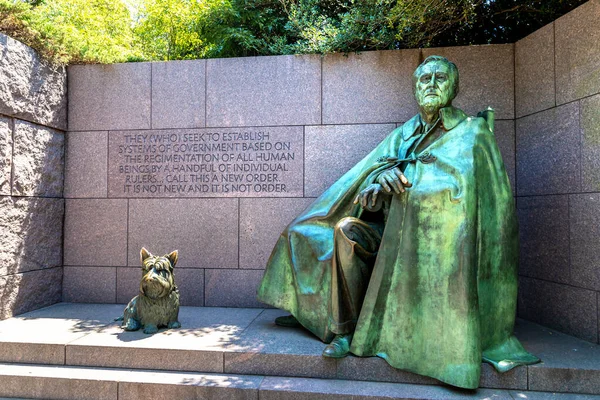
412	254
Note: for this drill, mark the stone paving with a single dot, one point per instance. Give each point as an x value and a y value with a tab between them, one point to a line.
244	345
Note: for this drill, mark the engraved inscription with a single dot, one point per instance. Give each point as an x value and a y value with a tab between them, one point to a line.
245	162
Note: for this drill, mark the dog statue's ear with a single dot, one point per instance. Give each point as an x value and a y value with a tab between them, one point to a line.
144	254
173	256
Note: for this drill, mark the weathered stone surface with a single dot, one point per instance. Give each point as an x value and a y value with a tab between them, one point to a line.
205	231
28	291
178	94
565	308
267	349
217	162
51	382
263	91
261	223
370	87
95	232
584	243
232	287
568	364
86	164
278	388
40	336
6	148
38	161
108	97
198	345
548	152
332	150
376	369
30	88
89	284
578	53
590	144
534	72
167	386
504	131
190	282
486	76
544	237
31	236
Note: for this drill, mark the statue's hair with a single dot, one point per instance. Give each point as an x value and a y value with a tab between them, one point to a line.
451	66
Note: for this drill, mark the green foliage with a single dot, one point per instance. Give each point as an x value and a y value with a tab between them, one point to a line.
505	21
79	31
345	26
71	31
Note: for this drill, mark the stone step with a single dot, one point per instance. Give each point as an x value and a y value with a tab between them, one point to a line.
82	383
246	342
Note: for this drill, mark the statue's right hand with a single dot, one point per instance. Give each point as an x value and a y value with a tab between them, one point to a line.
368	196
393	180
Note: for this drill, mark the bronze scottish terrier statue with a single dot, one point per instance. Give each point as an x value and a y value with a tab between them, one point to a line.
157	304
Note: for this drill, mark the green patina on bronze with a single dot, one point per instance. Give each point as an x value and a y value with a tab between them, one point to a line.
425	278
157	304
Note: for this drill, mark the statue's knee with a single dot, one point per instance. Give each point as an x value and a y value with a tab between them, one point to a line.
345	224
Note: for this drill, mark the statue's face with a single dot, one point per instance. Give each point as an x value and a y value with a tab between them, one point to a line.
434	86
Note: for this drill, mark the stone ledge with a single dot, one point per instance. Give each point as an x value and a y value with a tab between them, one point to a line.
245	341
64	382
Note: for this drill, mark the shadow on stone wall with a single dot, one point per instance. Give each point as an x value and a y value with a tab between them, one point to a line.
31	179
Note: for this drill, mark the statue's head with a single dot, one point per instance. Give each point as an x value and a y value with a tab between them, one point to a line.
435	83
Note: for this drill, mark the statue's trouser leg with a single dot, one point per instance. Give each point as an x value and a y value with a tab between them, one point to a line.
355	246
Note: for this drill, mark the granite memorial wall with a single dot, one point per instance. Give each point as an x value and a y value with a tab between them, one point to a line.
215	157
558	172
33	120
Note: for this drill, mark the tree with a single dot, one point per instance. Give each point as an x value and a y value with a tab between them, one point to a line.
71	31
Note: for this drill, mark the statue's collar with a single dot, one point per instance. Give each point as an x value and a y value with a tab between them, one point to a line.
449	116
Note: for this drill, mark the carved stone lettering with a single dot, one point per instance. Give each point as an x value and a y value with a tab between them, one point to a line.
220	162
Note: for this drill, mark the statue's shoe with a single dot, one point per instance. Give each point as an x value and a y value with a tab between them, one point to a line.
339	347
288	321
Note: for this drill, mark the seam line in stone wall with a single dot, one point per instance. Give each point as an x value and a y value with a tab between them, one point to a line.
205	93
127	236
239	231
557	106
21	196
598	312
570	273
516	159
556	194
12	155
560	283
580	134
514	50
304	161
166	198
321	88
116	274
554	55
107	160
32	270
151	109
268	126
21	118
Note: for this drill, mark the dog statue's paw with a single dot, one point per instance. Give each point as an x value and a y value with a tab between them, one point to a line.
150	329
132	325
174	325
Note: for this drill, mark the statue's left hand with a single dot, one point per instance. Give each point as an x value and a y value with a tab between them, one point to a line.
393	180
368	196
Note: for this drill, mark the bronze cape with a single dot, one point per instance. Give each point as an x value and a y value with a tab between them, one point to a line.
442	293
